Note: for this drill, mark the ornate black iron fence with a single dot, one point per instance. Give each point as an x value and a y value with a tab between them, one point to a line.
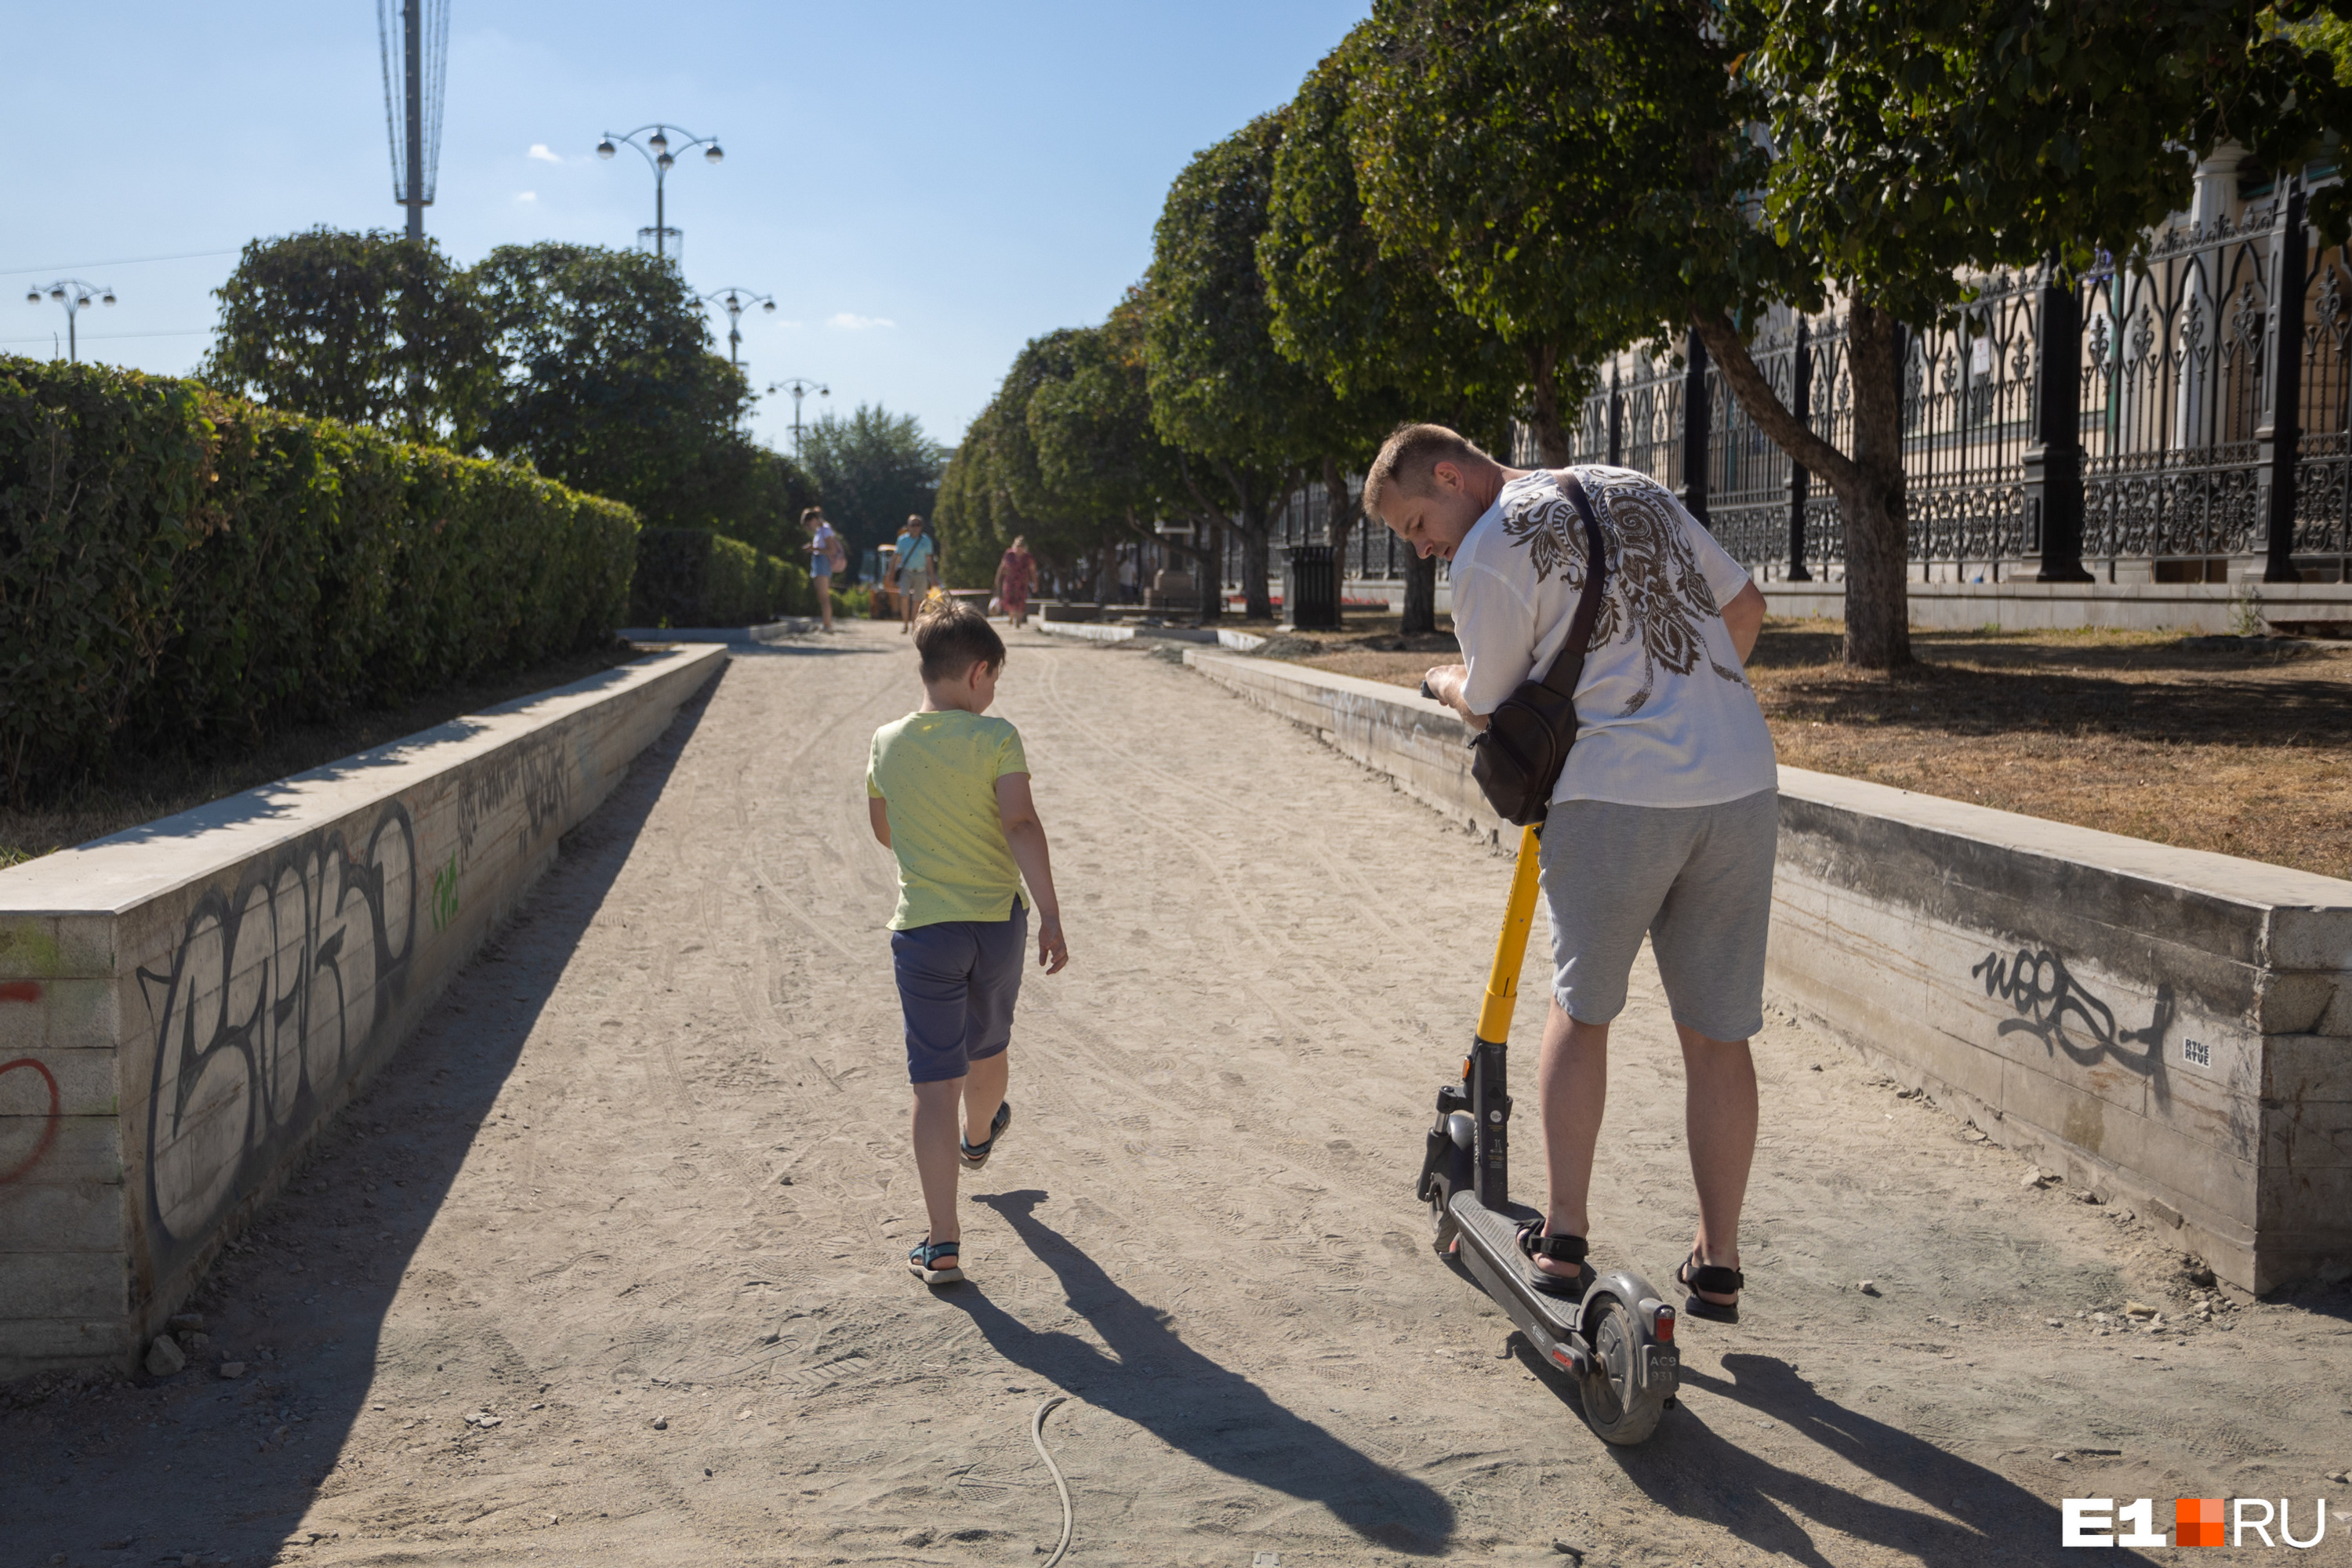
2187	436
2207	416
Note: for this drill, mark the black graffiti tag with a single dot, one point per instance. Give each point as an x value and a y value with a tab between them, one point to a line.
268	1005
2055	1009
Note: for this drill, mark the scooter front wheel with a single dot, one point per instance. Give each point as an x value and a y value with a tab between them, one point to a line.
1616	1402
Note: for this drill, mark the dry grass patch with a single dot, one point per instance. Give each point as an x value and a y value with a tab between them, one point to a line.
2139	732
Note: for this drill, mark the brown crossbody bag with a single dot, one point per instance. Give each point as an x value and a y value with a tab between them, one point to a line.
1517	757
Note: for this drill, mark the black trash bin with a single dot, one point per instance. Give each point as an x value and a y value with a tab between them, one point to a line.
1310	588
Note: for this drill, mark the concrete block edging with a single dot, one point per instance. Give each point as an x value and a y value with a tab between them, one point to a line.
2162	1026
1105	631
185	1004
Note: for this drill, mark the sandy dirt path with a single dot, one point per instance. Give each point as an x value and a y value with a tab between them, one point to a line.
606	1268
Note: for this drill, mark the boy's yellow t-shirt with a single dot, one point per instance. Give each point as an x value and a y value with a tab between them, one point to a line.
937	775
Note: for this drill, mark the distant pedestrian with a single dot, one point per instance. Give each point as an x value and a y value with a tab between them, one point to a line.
1127	575
826	556
1015	575
948	793
919	571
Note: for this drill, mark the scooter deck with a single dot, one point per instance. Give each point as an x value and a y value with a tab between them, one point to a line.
1490	1238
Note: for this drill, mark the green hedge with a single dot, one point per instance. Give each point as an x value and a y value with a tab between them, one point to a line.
687	577
175	563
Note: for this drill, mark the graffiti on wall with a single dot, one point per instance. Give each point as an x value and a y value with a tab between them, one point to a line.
532	774
444	894
271	1000
32	1076
2054	1008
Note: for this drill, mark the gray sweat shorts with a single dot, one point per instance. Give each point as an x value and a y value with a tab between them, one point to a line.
1697	879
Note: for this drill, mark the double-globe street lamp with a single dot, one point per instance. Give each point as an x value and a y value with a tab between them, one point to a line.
73	294
735	301
800	387
655	151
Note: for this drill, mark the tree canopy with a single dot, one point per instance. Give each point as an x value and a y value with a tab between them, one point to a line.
1251	422
369	328
1594	171
592	365
1063	456
875	468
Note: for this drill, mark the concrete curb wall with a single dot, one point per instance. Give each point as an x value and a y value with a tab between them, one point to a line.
1105	631
2165	1027
2212	608
791	626
183	1005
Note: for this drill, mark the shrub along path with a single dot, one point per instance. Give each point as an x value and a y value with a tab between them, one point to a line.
607	1267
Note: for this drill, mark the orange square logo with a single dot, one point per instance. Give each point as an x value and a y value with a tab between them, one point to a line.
2197	1521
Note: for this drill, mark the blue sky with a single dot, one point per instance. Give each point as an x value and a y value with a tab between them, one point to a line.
922	187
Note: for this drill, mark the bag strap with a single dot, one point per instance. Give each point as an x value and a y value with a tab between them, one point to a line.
1568	664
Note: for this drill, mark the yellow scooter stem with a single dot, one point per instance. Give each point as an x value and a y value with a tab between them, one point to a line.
1511	947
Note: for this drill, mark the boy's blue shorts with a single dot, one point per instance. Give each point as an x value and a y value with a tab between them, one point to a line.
957	983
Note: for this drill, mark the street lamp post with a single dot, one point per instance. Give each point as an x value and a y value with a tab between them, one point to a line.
735	301
73	294
655	151
800	387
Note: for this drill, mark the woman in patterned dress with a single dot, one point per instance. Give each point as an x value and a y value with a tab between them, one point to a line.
1014	574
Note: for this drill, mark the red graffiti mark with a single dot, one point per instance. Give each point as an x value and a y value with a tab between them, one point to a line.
48	1128
20	991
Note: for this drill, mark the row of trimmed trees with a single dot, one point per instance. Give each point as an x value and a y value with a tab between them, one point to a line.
1470	205
595	366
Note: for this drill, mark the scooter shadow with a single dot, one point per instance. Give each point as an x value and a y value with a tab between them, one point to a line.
1220	1417
1978	1515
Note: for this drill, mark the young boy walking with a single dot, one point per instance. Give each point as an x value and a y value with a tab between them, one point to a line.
948	790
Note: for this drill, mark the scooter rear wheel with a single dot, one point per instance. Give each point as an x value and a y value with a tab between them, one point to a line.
1620	1411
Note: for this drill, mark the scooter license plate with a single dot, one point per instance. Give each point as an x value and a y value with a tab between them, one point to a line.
1661	1367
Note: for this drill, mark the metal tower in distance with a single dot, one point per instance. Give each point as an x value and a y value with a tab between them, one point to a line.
415	62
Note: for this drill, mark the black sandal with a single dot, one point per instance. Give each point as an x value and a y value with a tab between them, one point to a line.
1560	1250
1695	1277
975	1155
924	1263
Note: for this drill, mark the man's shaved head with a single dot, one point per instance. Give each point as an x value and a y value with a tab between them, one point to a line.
1407	458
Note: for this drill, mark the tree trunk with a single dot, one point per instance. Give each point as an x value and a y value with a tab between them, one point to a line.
1210	588
1877	593
1544	410
1869	484
1257	600
1420	596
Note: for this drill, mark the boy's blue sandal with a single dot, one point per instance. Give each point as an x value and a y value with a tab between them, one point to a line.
974	1157
936	1262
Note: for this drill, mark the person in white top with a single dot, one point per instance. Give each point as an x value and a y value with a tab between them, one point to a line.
1664	820
825	558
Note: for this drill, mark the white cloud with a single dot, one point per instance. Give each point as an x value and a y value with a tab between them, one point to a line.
525	196
849	321
545	155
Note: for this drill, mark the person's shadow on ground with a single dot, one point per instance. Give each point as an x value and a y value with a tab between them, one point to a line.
1153	1379
1979	1515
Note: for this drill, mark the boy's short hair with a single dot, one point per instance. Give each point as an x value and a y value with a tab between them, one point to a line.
951	637
1410	457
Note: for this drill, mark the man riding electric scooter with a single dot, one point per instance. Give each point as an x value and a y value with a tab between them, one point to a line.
1665	817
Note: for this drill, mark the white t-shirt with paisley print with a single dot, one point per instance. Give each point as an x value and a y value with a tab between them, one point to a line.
1666	715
